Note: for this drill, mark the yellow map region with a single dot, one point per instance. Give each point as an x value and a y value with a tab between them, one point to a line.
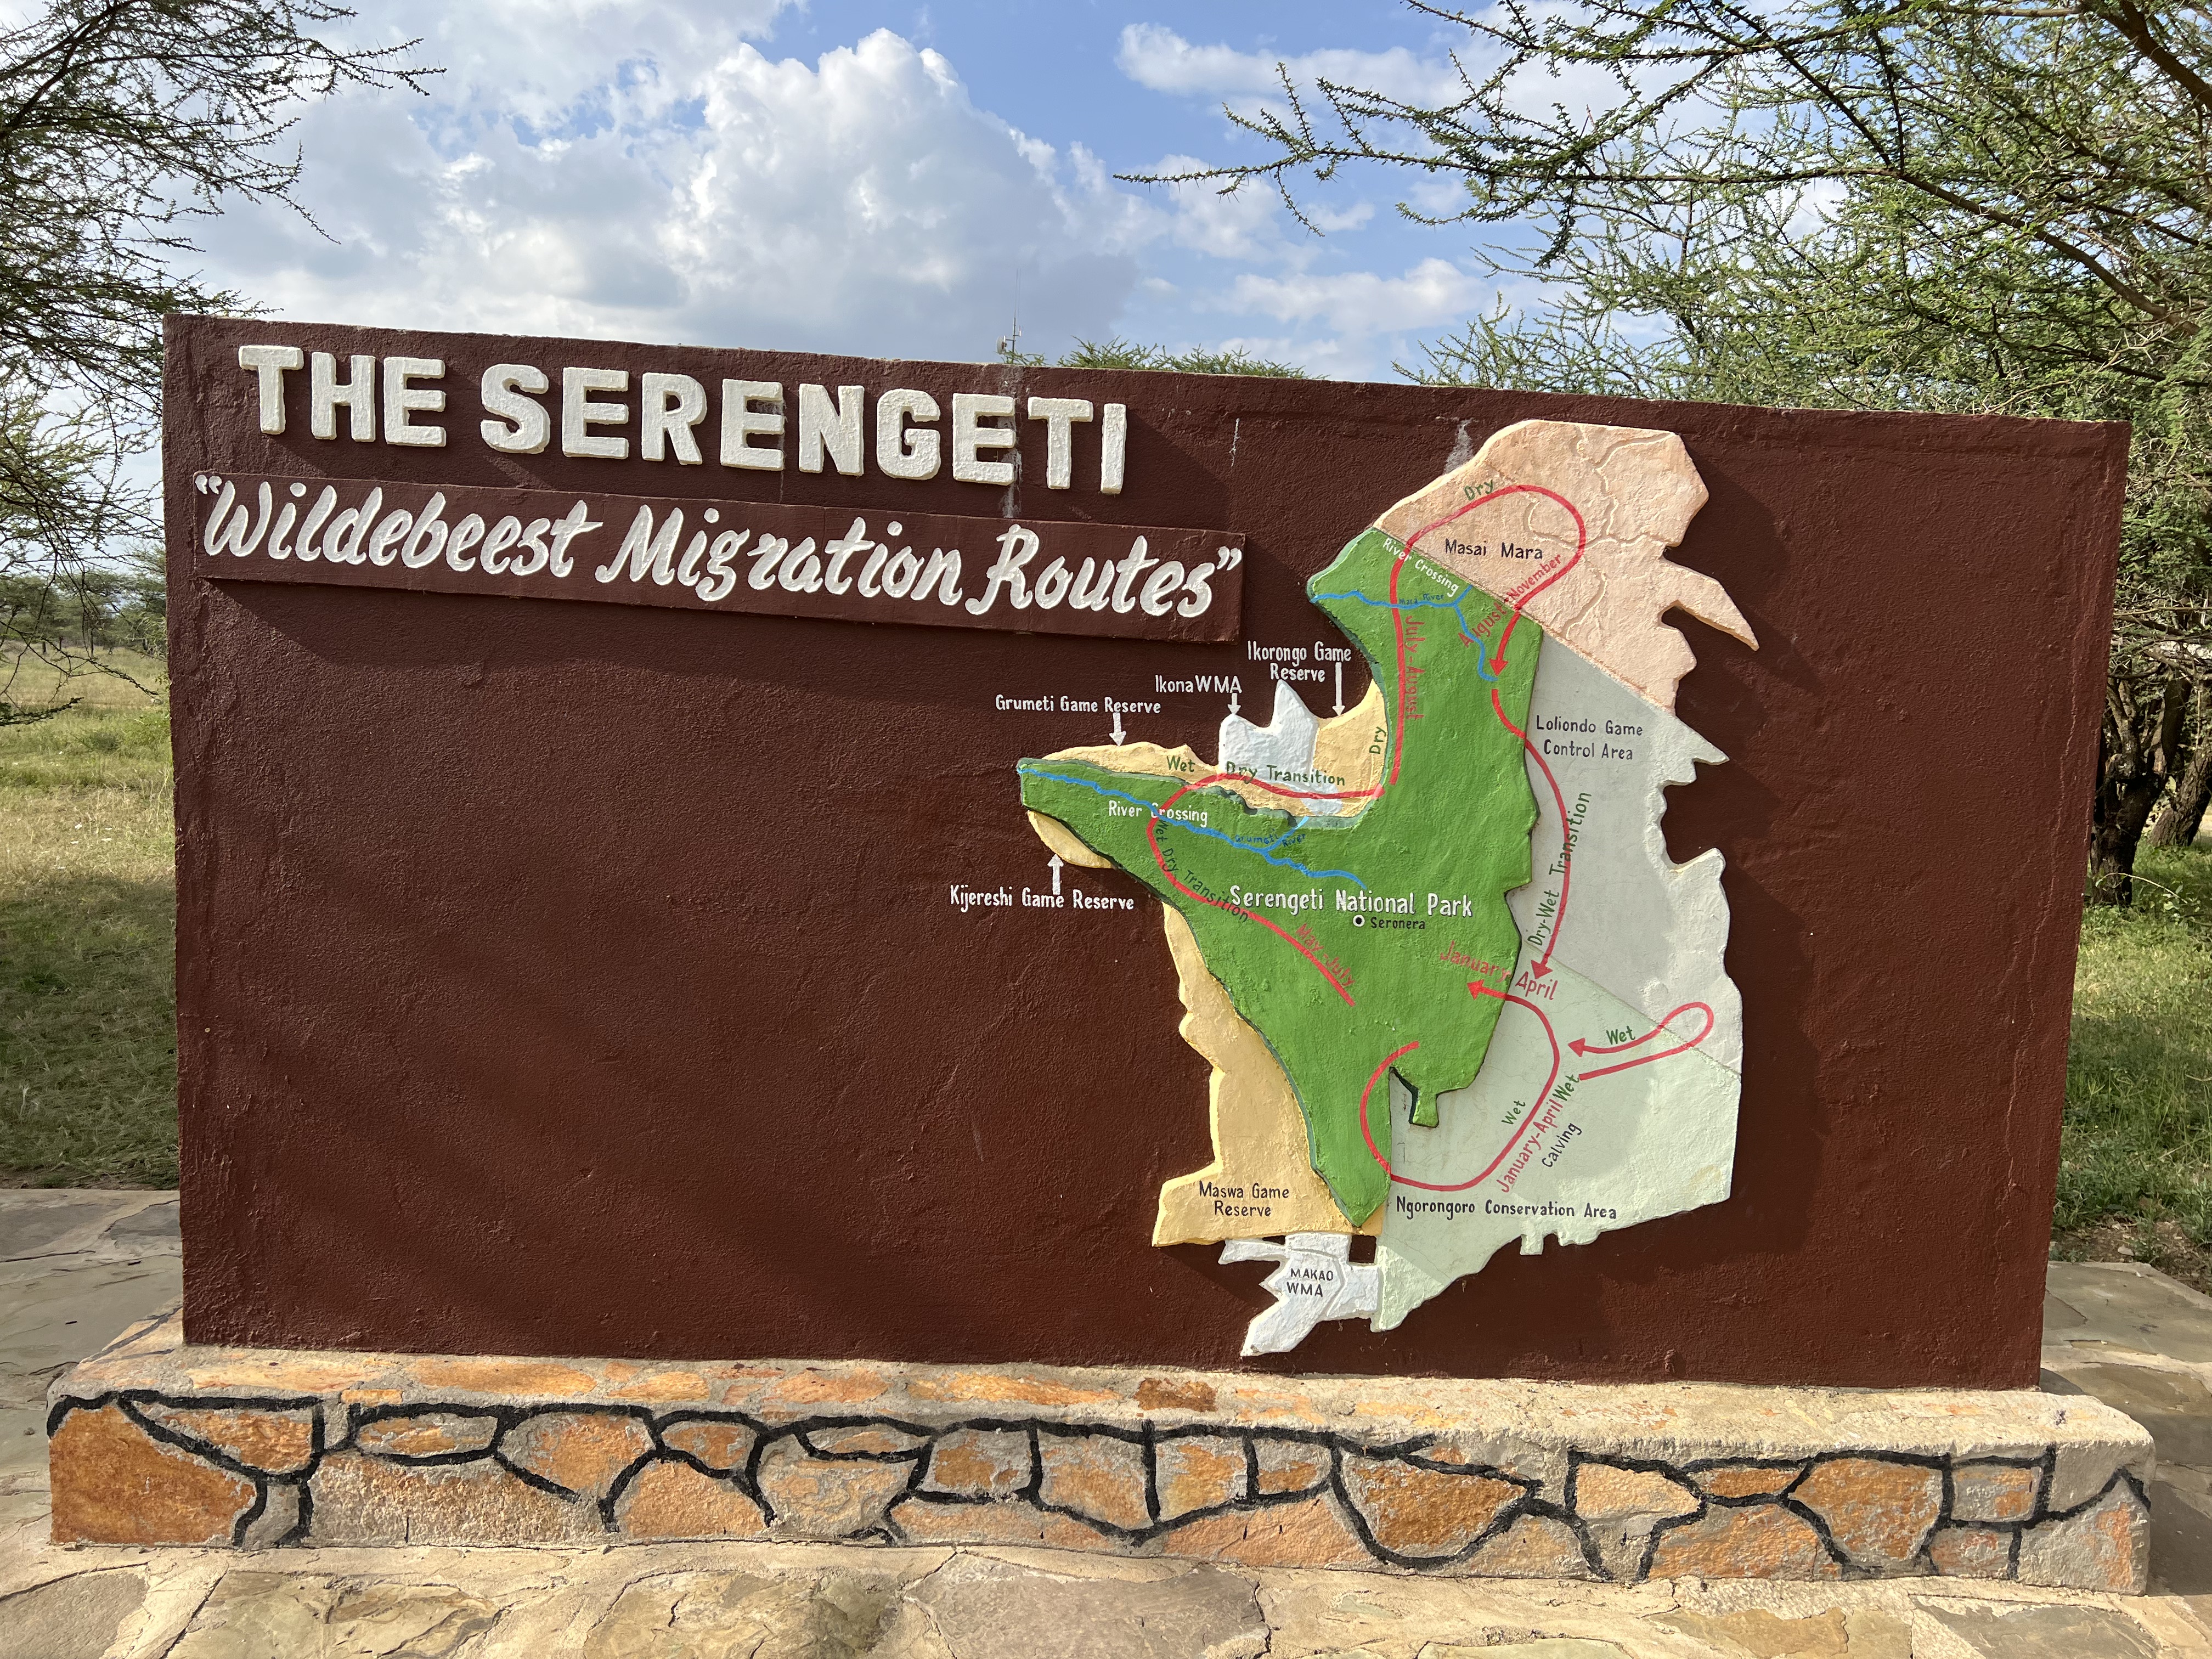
1261	1182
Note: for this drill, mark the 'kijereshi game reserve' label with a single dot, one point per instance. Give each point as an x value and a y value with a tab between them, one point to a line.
1454	991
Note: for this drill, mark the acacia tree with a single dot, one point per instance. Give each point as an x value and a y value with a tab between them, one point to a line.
1954	204
1118	353
2182	815
120	121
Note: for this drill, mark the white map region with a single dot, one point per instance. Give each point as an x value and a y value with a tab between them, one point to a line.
1630	1147
1661	926
1314	1280
1282	752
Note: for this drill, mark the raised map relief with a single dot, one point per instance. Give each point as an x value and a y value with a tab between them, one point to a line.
1454	991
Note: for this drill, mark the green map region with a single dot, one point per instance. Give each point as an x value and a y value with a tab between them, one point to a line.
1350	926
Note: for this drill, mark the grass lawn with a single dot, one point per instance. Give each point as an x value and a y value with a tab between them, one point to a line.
88	1044
2135	1174
88	931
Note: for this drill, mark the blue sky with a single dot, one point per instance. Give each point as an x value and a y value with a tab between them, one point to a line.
874	176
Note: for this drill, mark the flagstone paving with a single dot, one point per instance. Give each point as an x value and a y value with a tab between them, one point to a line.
77	1267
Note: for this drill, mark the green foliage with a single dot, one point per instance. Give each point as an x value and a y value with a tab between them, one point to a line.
1118	353
78	620
1965	205
120	121
92	746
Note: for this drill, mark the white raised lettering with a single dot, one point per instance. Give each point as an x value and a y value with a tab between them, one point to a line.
579	413
402	401
269	364
970	436
1058	415
834	430
519	425
742	423
904	452
327	394
668	407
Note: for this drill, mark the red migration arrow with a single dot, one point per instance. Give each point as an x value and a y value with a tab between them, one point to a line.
1542	965
1583	1046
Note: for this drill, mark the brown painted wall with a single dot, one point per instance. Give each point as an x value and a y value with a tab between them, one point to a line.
581	979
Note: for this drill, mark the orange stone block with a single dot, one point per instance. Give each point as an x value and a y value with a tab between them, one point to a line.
718	1445
1305	1533
674	1500
275	1442
1971	1552
1880	1512
1013	1523
663	1385
229	1369
1993	1492
425	1434
114	1484
1444	1451
1272	1405
1199	1471
1535	1547
583	1451
1163	1394
822	1499
2107	1547
1606	1492
1095	1475
532	1377
1763	1541
365	1500
1289	1466
993	1389
979	1463
1420	1512
1747	1480
823	1388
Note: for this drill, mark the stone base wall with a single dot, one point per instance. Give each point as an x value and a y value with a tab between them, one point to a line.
153	1441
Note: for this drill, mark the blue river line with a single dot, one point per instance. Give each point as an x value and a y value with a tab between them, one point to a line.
1264	852
1482	651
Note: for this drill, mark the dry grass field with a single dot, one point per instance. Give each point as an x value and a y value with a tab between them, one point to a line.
88	933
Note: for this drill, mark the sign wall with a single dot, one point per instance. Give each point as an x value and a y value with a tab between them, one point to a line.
753	959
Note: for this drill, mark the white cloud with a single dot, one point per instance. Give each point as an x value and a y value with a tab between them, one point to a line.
1247	224
1158	57
1361	302
672	181
633	169
556	63
1155	55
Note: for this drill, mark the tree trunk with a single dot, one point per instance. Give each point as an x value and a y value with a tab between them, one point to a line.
2183	814
2136	755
